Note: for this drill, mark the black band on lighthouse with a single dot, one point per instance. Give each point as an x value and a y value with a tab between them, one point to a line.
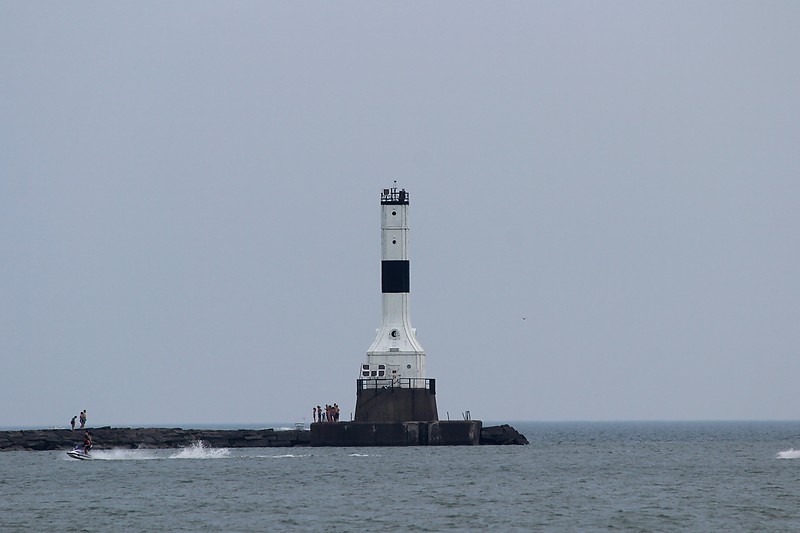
394	276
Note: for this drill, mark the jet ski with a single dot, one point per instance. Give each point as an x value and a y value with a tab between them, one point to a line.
78	453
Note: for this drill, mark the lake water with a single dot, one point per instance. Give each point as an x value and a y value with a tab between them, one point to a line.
716	476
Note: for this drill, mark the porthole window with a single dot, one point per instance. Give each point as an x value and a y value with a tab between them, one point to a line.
394	241
394	213
408	367
395	334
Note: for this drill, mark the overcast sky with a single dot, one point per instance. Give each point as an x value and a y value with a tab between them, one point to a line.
604	207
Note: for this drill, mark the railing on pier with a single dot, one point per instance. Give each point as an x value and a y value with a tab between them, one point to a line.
399	383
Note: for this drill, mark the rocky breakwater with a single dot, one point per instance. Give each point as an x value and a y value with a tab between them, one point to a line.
499	435
105	438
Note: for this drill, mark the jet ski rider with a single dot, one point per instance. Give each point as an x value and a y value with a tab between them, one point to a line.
87	443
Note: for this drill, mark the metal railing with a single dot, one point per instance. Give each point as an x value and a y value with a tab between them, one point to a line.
394	196
398	383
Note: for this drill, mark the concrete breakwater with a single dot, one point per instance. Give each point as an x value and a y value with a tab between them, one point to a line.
106	438
420	433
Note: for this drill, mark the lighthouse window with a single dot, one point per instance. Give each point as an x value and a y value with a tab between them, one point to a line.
365	373
394	241
374	373
394	213
364	367
408	366
395	334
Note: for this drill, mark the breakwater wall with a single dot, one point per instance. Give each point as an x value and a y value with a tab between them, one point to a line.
106	438
420	433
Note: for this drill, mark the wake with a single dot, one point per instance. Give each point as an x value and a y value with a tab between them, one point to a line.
119	454
791	453
198	450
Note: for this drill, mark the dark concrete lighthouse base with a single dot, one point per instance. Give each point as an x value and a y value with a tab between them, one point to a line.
415	433
403	400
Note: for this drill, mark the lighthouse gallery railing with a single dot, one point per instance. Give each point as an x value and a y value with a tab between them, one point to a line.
399	383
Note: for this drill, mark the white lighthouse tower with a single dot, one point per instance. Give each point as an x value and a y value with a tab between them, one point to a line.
392	385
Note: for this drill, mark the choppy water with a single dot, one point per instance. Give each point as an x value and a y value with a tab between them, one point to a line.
573	477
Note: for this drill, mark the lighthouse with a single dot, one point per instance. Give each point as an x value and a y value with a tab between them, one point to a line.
392	385
395	398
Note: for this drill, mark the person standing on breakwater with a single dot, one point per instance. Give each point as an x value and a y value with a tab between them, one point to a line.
314	416
319	414
72	422
83	418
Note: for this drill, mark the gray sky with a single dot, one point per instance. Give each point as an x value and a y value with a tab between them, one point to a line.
189	206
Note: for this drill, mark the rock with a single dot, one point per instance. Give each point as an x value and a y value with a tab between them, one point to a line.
502	435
